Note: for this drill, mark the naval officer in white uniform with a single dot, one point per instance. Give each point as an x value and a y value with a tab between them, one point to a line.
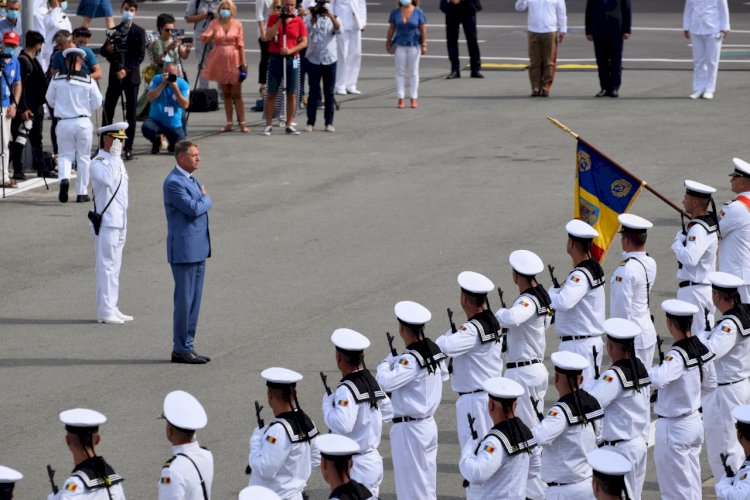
352	14
705	23
734	247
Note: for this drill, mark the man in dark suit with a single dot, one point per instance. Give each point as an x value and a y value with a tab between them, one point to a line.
188	246
457	13
125	50
608	26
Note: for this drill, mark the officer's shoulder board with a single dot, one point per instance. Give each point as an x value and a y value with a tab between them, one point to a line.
168	463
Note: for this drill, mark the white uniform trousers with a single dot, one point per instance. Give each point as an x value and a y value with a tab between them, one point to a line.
108	250
646	356
367	469
476	404
635	451
699	295
677	457
575	491
407	64
414	450
584	348
349	45
5	123
706	53
721	436
536	489
74	145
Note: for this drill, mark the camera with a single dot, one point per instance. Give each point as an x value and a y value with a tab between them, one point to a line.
177	32
172	78
23	132
287	15
319	8
116	37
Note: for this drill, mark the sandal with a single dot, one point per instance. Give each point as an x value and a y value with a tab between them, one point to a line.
11	184
244	128
227	127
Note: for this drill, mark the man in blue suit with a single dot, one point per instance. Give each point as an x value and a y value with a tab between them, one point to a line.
188	246
608	26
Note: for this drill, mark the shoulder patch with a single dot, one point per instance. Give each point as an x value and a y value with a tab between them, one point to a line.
524	303
669	358
462	328
552	413
489	448
722	213
343	402
618	278
575	279
100	158
71	487
743	476
726	329
404	362
691	238
608	378
271	439
165	480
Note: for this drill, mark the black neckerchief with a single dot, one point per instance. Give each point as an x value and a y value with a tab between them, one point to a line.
514	436
95	473
538	295
589	410
740	316
364	387
297	425
351	491
427	354
593	272
624	371
487	325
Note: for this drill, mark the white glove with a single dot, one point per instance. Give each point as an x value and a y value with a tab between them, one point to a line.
116	148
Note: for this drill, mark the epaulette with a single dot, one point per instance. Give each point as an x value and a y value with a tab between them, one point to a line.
100	158
168	462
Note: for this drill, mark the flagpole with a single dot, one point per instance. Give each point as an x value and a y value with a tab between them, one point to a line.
644	184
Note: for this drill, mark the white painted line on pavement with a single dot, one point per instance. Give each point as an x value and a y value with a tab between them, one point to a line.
24	186
440	40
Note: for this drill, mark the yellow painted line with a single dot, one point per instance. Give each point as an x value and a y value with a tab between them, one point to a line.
525	66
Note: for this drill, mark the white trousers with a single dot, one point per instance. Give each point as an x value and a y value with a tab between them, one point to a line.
677	457
706	53
721	436
414	454
646	356
699	295
367	469
407	64
576	491
584	347
74	145
349	45
635	451
5	123
108	250
476	404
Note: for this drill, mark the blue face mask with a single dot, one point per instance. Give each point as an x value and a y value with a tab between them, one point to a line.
225	13
405	2
64	6
12	15
127	16
166	59
8	51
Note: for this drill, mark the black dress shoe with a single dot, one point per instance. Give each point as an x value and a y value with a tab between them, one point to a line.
614	93
81	198
476	74
19	176
128	155
63	196
155	148
543	92
453	74
201	356
601	93
188	359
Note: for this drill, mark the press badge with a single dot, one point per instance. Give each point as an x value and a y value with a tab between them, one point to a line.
169	110
295	63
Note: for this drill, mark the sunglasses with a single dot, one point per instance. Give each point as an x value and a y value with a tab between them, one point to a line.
168	30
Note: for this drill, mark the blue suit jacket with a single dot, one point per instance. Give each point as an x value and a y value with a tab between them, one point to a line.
188	239
607	17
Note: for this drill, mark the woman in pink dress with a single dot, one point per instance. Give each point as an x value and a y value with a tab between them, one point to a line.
226	63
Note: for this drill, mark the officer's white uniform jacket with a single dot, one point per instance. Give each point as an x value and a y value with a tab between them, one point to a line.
179	478
734	248
107	172
705	17
280	458
74	97
48	22
579	308
737	487
628	294
696	251
84	485
352	14
527	321
498	468
728	341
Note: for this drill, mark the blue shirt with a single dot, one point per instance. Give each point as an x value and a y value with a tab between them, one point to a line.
12	70
321	36
6	26
58	61
165	109
407	33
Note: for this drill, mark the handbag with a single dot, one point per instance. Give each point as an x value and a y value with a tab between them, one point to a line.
96	218
148	73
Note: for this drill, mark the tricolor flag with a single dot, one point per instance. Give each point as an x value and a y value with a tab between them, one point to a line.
603	190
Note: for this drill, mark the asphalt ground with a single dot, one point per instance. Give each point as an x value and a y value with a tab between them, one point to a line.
322	231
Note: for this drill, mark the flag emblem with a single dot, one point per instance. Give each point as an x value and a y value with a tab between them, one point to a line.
608	378
618	278
552	413
271	439
726	329
489	448
691	238
669	358
575	279
524	303
343	402
166	480
71	487
404	362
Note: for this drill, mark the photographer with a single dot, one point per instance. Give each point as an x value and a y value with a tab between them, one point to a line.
320	61
29	119
288	36
125	50
201	13
10	94
169	96
168	48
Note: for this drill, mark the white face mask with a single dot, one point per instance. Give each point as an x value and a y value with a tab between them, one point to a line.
116	148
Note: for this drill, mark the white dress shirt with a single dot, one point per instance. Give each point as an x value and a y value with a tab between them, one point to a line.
72	98
696	252
415	392
734	247
526	329
545	16
473	362
579	309
705	17
731	350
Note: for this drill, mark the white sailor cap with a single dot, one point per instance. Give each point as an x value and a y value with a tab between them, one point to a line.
475	283
349	340
82	420
568	362
336	445
632	223
183	411
411	313
579	229
526	262
74	51
679	308
608	462
741	168
621	330
503	388
116	130
725	282
8	475
741	414
698	189
279	378
258	493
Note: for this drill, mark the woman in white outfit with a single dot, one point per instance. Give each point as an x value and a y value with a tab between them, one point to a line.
705	24
407	39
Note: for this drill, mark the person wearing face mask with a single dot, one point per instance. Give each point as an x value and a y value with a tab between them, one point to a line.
12	22
89	9
125	50
3	11
49	21
10	94
407	40
169	96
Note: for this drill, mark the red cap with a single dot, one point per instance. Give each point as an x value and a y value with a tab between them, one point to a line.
11	38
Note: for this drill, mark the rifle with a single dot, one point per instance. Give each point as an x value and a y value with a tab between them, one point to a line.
535	403
51	474
551	268
708	324
258	409
504	330
453	330
684	231
596	367
474	435
324	378
390	343
727	469
659	342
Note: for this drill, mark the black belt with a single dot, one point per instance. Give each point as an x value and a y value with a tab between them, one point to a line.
398	420
470	392
519	364
732	383
614	442
679	416
558	484
683	284
577	337
74	117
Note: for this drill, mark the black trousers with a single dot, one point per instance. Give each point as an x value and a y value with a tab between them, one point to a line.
608	51
34	139
115	90
316	72
456	16
263	64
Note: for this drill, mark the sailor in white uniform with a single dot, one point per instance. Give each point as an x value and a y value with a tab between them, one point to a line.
75	98
48	20
695	248
610	470
415	381
475	348
188	475
283	453
579	303
705	23
336	454
631	285
358	407
621	391
569	431
527	321
92	478
352	15
680	378
736	485
734	247
498	466
8	479
729	341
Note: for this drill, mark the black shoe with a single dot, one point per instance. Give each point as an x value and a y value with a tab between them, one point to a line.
601	93
535	93
614	93
201	356
128	155
543	92
81	198
188	359
20	176
476	74
155	148
170	148
63	196
453	74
